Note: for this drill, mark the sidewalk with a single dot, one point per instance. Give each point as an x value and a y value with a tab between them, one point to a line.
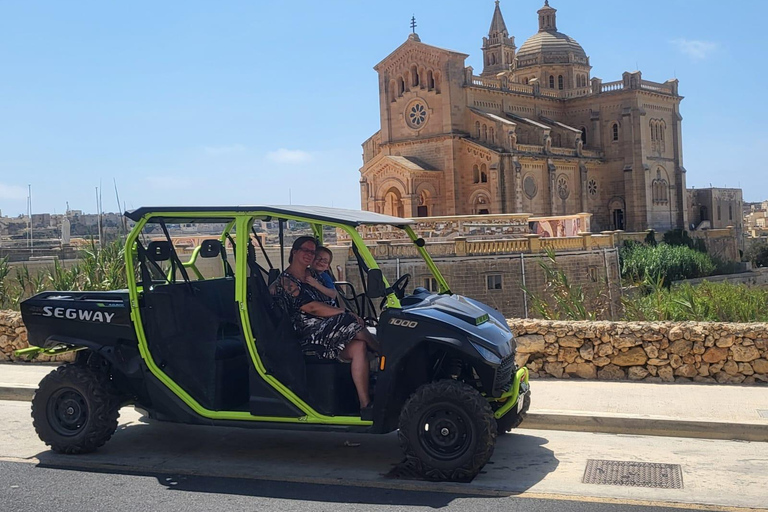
677	410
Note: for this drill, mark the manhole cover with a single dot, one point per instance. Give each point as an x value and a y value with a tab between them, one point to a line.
763	413
633	474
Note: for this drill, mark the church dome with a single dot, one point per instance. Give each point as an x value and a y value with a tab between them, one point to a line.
551	43
549	46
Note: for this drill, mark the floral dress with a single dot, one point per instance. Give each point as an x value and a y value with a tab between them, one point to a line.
325	336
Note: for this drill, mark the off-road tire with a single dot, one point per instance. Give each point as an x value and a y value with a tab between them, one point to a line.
75	409
463	410
512	420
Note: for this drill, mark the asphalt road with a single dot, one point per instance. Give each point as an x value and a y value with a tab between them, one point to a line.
161	466
27	487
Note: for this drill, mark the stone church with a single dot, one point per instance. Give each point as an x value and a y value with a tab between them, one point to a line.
533	133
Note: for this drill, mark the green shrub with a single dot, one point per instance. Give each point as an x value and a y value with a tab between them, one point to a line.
670	263
680	237
707	302
757	254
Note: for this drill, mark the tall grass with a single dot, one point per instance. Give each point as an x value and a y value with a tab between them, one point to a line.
707	302
563	300
98	269
668	262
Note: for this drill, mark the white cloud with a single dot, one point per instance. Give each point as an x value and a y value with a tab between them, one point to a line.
697	50
224	150
289	156
12	192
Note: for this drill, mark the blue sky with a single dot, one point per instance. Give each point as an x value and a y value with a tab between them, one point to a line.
248	102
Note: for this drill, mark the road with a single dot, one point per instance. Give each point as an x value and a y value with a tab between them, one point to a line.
156	466
27	488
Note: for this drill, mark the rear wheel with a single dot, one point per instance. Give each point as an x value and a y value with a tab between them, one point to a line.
447	431
75	409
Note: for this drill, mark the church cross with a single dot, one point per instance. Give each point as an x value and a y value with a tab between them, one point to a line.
413	24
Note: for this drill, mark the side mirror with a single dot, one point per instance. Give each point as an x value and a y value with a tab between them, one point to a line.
376	286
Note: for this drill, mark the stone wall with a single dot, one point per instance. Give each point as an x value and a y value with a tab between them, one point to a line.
13	336
497	280
644	351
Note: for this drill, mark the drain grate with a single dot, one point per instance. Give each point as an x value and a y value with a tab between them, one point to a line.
633	474
763	413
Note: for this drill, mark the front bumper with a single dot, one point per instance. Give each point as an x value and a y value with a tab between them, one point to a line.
515	395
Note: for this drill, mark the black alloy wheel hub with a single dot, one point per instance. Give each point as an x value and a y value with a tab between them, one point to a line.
67	412
445	432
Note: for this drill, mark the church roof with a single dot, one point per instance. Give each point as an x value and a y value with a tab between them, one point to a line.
492	117
409	162
551	41
497	23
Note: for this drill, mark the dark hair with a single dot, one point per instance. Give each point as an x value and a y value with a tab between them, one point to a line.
298	243
324	249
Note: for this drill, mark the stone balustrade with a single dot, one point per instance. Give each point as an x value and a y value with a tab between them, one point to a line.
724	353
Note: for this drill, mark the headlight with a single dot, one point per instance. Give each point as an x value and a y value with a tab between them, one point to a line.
486	354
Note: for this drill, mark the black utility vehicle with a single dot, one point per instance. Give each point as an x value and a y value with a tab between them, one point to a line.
217	350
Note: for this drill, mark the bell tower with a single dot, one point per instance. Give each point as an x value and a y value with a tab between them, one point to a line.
498	48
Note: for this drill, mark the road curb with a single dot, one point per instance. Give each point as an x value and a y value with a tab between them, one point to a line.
18	392
576	422
646	426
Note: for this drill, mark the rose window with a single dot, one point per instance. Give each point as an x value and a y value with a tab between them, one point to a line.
592	187
562	187
416	115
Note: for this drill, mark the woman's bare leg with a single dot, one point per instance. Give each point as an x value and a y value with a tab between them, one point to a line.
357	353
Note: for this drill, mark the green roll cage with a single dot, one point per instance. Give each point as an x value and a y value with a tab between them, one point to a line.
242	223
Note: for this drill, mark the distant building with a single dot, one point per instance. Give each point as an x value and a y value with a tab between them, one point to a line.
533	133
716	208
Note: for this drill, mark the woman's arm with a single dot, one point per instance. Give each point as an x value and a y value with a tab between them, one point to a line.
321	309
319	286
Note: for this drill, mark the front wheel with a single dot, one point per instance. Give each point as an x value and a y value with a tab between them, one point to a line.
75	409
447	431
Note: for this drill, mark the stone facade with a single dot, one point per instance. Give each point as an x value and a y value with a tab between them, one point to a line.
533	133
497	280
644	351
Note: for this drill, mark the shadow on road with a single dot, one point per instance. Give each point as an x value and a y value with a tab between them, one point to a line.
314	466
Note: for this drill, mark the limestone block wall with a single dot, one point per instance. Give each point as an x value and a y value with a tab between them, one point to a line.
644	351
13	336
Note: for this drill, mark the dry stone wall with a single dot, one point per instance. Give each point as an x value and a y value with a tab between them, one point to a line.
644	351
13	336
641	351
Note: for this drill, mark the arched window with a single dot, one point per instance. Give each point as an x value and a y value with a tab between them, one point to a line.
475	174
477	129
401	86
492	136
660	189
560	82
653	131
584	135
730	212
615	131
525	80
485	133
493	59
430	80
414	76
483	174
718	211
551	81
393	90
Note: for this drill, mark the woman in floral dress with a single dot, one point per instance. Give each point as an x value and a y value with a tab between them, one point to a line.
328	331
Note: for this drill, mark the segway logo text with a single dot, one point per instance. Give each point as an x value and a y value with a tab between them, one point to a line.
78	314
403	323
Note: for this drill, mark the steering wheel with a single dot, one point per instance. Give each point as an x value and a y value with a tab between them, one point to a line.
398	287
